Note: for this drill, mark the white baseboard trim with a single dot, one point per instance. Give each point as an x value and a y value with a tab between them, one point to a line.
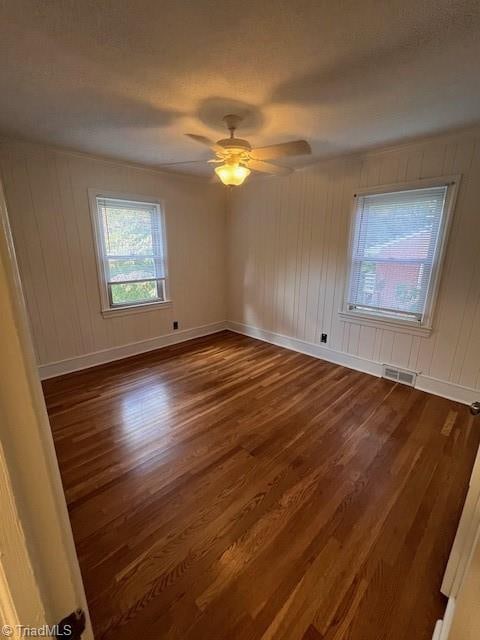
103	356
449	390
309	348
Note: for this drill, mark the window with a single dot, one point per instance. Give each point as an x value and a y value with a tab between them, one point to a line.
397	242
131	251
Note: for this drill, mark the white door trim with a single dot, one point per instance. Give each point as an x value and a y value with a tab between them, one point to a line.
40	580
467	531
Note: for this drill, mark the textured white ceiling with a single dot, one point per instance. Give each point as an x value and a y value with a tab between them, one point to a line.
127	78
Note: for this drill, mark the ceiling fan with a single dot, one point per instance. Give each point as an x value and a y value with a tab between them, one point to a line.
236	158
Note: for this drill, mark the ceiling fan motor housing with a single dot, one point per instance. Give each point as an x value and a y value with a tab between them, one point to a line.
235	145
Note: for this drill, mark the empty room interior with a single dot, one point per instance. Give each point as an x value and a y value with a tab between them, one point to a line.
240	302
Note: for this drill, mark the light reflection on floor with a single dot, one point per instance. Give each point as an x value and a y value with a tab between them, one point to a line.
138	405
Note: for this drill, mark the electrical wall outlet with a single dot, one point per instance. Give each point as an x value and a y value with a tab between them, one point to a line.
324	338
175	325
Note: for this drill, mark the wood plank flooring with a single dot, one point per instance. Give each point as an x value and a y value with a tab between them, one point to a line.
226	488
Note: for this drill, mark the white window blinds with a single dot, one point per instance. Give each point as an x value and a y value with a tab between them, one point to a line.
394	253
133	254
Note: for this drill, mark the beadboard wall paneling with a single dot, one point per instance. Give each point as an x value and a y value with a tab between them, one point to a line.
47	198
287	247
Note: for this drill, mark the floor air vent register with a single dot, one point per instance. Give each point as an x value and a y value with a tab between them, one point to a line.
399	375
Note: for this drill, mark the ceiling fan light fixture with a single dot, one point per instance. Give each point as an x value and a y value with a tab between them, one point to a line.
237	158
232	174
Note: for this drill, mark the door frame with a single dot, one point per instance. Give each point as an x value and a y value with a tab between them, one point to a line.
40	580
467	534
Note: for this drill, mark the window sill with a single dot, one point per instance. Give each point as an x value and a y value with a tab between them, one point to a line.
401	326
136	308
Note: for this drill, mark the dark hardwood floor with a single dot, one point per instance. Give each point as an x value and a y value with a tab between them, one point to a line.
228	489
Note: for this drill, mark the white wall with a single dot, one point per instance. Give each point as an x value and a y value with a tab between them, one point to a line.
46	192
287	247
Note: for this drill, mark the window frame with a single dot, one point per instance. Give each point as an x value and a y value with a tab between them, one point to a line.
107	307
377	319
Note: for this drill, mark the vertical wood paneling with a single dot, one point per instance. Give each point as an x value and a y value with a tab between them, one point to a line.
386	346
317	206
401	349
461	269
47	197
12	171
304	238
366	342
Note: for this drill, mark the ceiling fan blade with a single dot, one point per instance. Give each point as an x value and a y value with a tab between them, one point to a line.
295	148
267	167
173	164
203	140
